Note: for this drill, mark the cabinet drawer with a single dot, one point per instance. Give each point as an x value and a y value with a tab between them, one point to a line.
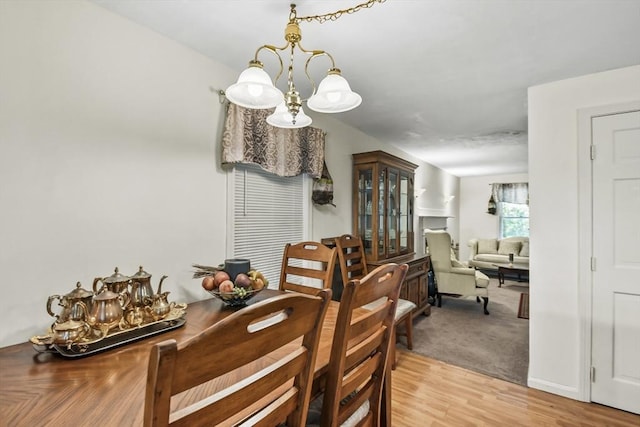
418	268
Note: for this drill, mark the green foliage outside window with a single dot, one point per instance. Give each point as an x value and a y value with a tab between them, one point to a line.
514	220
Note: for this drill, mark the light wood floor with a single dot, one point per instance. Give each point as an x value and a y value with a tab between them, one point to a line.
427	392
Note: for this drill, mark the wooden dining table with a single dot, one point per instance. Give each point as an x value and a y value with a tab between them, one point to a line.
108	388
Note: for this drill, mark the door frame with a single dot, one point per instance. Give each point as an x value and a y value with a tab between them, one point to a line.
585	235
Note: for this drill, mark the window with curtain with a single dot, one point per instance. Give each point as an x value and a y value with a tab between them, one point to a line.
514	220
268	211
513	208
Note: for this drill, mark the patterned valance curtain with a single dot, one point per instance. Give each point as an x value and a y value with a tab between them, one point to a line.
248	138
517	193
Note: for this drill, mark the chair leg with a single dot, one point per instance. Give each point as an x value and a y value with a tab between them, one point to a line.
409	328
486	301
393	348
439	300
385	407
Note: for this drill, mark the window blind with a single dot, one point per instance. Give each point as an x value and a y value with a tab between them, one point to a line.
268	212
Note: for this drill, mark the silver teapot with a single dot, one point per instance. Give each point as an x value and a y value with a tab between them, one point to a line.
116	283
107	311
70	310
141	291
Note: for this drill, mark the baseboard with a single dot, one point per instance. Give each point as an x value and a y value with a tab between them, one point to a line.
553	388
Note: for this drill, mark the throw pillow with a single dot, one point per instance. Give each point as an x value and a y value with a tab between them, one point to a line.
525	249
509	247
488	246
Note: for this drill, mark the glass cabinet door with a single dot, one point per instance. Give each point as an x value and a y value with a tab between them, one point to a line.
365	208
405	226
392	213
381	211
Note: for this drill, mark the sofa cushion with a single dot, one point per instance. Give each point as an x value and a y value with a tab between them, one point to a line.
491	258
507	247
488	246
524	251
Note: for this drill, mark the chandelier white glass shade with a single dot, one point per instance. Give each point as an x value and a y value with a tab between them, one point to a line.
255	89
334	95
282	118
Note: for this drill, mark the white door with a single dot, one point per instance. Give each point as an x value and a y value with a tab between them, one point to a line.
616	251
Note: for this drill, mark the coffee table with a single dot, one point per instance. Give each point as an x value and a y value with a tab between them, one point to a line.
519	269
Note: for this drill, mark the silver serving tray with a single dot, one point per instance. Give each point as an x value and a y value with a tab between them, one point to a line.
96	343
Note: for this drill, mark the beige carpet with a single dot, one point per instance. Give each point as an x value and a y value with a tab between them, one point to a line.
459	333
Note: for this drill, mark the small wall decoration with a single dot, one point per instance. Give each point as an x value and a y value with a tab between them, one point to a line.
492	207
322	193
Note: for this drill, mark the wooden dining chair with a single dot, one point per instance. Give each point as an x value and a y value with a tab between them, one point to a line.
359	362
307	267
278	392
353	265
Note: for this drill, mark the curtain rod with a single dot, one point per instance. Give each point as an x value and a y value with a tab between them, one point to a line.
509	183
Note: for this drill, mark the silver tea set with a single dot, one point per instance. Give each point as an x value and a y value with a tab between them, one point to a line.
115	303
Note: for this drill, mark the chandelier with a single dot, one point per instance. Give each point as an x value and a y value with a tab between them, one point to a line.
255	89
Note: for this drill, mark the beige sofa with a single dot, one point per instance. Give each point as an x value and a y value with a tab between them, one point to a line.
485	253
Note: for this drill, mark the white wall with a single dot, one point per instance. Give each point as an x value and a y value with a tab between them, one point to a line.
475	222
109	156
439	187
557	325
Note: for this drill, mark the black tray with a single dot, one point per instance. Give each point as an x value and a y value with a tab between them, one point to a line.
125	337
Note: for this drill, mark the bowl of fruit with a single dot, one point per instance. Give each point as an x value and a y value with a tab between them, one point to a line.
233	292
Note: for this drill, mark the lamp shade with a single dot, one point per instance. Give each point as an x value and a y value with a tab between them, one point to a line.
282	118
254	89
334	95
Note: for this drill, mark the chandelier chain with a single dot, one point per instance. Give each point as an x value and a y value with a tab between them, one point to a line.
337	14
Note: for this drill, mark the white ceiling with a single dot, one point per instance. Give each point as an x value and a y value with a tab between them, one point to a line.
444	80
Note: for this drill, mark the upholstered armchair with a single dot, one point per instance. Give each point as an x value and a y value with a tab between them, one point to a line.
453	277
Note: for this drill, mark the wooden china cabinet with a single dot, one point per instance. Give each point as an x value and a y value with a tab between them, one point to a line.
383	217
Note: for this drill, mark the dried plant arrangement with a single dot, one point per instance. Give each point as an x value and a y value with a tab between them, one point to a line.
205	270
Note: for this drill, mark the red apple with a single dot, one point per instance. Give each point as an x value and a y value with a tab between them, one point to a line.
226	286
208	283
220	277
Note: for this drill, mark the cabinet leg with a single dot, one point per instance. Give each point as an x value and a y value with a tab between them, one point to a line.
427	310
